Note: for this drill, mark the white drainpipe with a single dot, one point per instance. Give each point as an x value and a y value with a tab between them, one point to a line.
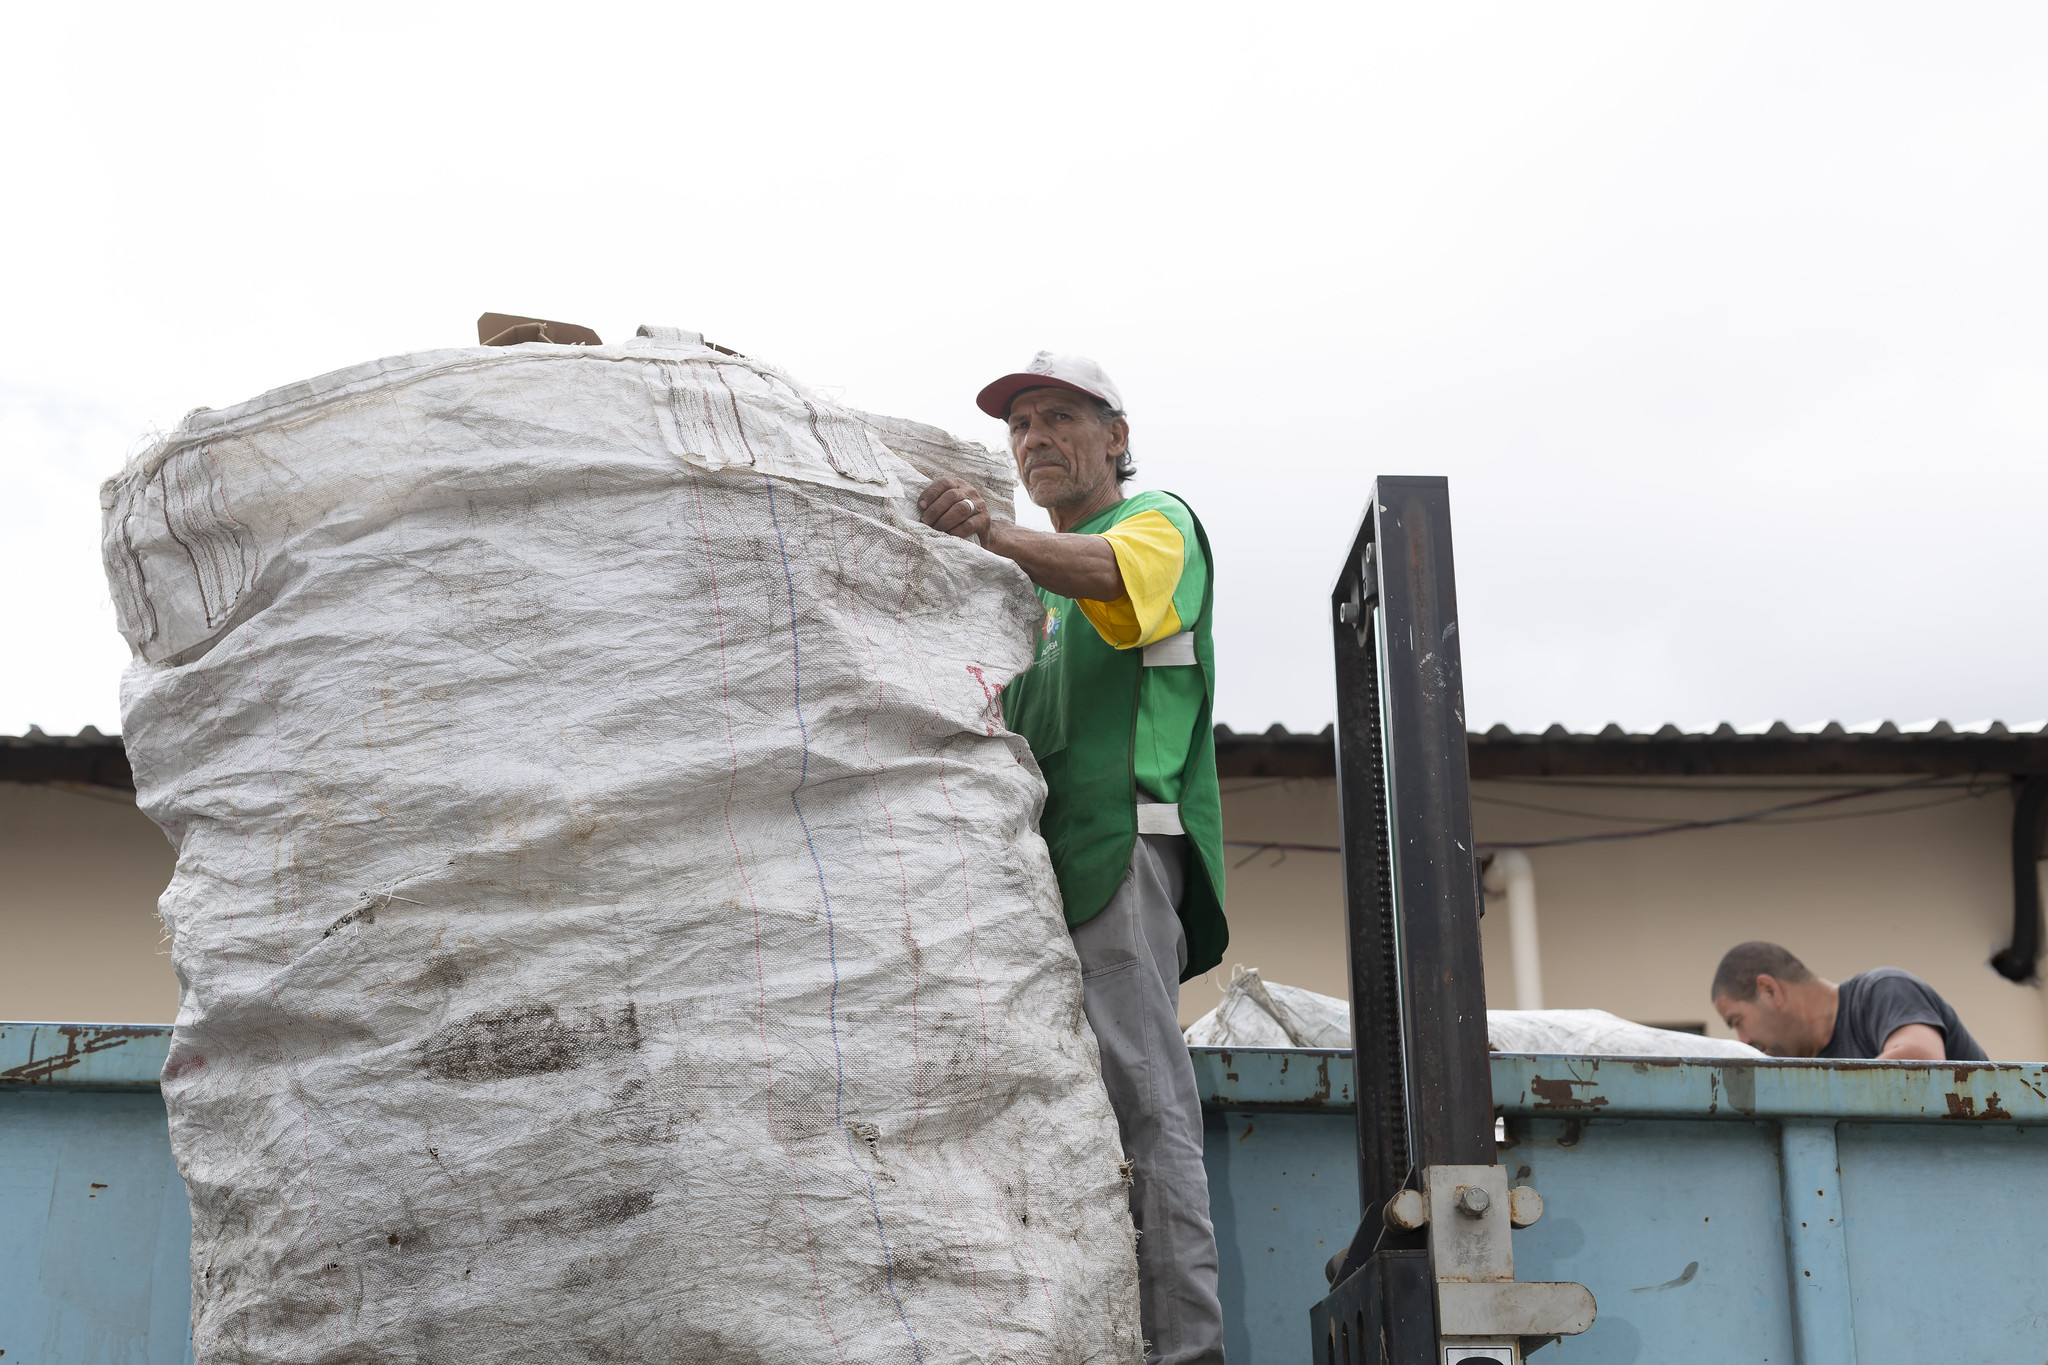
1511	872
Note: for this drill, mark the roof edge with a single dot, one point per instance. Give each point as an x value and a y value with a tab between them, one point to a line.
1939	749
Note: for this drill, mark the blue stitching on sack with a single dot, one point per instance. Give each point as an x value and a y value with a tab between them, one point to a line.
831	933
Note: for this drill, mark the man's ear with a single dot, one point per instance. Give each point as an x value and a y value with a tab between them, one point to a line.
1119	436
1769	989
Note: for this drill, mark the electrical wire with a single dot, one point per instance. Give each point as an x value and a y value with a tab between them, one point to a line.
1481	800
1686	826
1699	784
1241	785
1976	795
1262	847
1760	816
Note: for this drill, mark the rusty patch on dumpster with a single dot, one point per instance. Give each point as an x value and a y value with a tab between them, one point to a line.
1965	1107
80	1042
529	1042
1557	1094
1322	1097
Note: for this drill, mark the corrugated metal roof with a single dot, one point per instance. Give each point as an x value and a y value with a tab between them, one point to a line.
87	757
1933	746
1820	729
1777	748
88	738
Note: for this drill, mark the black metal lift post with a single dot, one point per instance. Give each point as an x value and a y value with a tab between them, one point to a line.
1435	1207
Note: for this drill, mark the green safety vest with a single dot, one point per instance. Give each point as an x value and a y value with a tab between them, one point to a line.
1077	707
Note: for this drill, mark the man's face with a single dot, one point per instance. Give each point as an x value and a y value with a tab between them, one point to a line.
1065	452
1765	1022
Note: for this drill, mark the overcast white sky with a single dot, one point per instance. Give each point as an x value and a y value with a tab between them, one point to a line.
1728	323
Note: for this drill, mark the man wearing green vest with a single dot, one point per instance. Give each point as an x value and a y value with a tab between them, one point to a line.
1116	709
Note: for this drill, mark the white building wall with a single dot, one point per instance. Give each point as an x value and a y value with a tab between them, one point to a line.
1635	927
80	871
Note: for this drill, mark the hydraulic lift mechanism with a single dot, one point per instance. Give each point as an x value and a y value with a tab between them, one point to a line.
1429	1279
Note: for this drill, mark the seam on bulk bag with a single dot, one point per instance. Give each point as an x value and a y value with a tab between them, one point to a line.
692	423
731	410
724	413
847	445
129	586
197	517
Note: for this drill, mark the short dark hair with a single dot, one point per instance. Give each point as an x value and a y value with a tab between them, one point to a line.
1741	965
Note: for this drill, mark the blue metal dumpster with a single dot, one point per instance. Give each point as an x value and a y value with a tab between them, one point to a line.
1817	1213
1812	1212
94	1227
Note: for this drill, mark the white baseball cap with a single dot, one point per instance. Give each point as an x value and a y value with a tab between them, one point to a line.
1049	371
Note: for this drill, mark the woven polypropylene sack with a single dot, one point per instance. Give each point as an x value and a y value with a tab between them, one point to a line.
1596	1033
609	913
1257	1013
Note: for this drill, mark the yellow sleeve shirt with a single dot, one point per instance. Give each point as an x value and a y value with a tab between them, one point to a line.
1151	554
1165	580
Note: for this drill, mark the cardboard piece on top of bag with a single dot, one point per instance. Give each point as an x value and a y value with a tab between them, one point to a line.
505	329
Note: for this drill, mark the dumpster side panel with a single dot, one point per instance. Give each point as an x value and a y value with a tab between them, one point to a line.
1675	1227
1954	1211
1676	1224
1283	1191
94	1264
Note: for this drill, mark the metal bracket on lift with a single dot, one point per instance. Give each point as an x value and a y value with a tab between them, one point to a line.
1479	1303
1430	1277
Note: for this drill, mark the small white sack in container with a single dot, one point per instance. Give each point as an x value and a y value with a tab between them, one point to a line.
1256	1013
1596	1033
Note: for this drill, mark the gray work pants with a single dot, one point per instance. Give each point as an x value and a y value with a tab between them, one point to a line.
1131	959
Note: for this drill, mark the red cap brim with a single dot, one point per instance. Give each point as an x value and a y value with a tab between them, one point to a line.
996	398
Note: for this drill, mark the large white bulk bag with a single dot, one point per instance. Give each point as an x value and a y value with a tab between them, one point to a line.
609	911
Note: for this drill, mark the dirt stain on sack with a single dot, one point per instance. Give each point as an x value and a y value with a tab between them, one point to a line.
364	913
611	1208
529	1041
903	1269
588	1215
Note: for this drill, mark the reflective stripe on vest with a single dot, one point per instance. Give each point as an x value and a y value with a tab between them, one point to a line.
1159	817
1172	651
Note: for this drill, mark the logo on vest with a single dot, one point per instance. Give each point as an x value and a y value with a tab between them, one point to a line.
1049	637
